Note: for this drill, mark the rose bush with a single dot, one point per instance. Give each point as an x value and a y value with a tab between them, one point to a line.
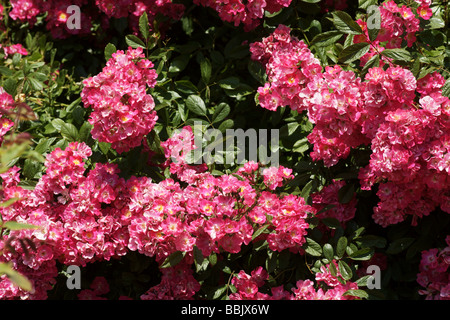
102	166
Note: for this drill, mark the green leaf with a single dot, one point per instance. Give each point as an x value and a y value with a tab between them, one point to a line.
205	70
227	124
257	71
229	83
344	23
362	282
173	259
372	241
346	193
69	132
221	112
331	223
446	88
8	202
327	38
85	130
109	50
399	245
397	54
313	248
219	292
143	25
14	225
356	293
196	105
198	256
212	259
44	145
373	33
328	251
36	84
364	4
259	231
15	277
353	52
186	86
104	147
134	42
371	63
345	270
57	124
179	63
362	254
309	188
341	246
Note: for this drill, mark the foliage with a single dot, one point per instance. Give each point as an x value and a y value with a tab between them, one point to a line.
98	138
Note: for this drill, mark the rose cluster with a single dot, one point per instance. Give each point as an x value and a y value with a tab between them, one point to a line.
248	287
57	15
122	110
405	121
248	13
87	216
434	274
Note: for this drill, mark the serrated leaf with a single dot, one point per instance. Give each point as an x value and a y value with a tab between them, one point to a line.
196	104
143	25
327	38
446	88
353	52
134	42
397	54
345	23
36	84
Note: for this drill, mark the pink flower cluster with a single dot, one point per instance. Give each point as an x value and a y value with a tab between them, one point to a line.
98	287
405	121
398	23
6	104
57	15
434	273
249	13
248	287
14	48
83	217
328	197
177	283
123	113
331	98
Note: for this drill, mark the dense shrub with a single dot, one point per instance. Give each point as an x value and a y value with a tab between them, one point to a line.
109	158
